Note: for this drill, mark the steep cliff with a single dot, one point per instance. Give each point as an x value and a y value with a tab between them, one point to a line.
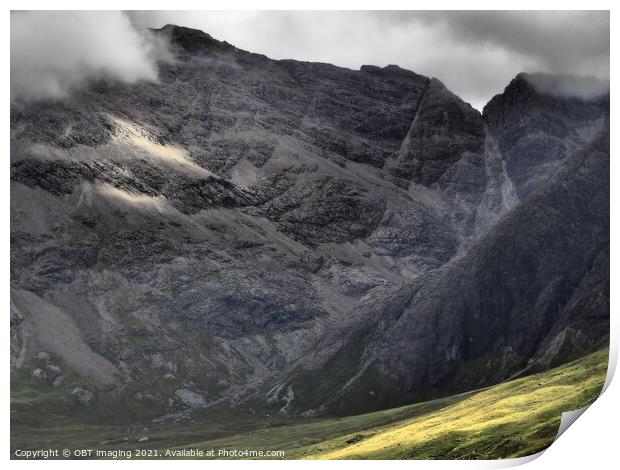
300	238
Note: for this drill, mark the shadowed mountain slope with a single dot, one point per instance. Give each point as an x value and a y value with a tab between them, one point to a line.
300	238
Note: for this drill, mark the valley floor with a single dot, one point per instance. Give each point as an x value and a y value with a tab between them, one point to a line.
513	419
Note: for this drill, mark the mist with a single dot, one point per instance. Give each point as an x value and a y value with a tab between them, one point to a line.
56	52
475	53
569	86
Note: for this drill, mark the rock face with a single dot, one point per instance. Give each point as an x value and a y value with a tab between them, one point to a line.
189	398
562	125
300	238
516	293
83	396
444	131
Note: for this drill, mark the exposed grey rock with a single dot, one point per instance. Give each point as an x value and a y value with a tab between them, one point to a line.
83	396
50	374
520	274
444	131
246	224
38	373
53	374
536	131
190	398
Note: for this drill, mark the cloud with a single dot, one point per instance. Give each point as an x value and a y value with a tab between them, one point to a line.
56	52
569	86
475	53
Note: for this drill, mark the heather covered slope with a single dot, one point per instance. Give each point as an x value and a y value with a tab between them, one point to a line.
298	238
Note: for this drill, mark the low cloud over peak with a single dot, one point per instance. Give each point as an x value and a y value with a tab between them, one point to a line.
475	53
55	52
568	86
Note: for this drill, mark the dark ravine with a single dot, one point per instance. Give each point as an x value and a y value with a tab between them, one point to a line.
298	238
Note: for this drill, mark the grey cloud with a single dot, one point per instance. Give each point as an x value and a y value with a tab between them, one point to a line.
55	52
564	41
475	53
586	88
555	42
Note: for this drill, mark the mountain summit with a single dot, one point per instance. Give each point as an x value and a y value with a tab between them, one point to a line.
299	238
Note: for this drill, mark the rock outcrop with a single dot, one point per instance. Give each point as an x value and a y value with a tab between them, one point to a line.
301	238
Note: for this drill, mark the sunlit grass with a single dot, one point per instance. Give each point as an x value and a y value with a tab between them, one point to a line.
513	419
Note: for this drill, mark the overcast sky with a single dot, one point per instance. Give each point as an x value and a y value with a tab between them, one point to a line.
474	53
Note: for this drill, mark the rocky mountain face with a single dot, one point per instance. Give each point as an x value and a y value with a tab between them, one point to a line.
299	238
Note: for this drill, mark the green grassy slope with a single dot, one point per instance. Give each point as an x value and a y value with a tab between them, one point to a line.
512	419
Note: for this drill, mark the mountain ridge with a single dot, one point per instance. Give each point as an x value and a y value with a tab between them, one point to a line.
255	233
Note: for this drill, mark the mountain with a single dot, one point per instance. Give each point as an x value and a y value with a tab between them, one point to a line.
297	238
